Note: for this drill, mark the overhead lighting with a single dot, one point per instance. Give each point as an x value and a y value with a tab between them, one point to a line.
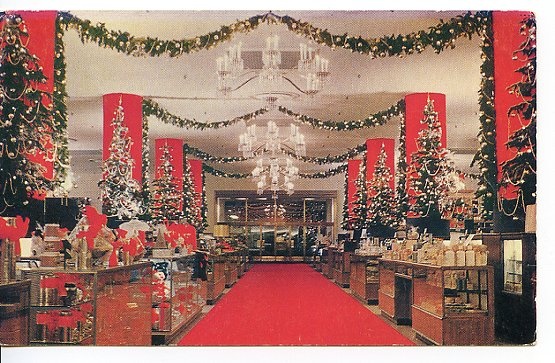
273	171
312	67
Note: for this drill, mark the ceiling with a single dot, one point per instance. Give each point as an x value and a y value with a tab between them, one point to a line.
186	86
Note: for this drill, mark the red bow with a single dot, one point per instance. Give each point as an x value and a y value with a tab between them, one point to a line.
96	222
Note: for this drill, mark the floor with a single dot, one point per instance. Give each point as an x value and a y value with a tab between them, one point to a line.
404	330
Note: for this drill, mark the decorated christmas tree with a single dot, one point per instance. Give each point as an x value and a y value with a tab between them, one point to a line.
166	198
121	194
360	204
429	176
520	171
25	116
191	199
382	207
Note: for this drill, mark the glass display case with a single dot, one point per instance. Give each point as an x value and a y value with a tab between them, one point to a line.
364	278
327	262
14	313
341	267
176	296
513	257
453	305
215	283
395	290
105	306
232	262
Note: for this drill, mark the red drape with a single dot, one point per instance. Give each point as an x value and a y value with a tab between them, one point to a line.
175	148
506	39
196	174
41	26
352	173
133	119
373	148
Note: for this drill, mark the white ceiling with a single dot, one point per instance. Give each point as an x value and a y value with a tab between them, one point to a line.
186	86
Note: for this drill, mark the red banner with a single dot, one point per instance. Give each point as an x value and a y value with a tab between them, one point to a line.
133	120
41	27
352	174
196	175
373	149
506	39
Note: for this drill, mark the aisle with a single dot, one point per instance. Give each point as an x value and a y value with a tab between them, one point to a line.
290	304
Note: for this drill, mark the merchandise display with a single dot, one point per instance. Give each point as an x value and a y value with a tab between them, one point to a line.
176	296
444	305
102	306
364	279
14	313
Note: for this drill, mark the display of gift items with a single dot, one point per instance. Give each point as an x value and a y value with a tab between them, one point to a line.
424	248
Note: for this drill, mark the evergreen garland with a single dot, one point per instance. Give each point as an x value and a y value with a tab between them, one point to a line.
26	116
486	157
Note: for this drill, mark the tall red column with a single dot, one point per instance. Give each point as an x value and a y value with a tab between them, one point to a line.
133	120
373	148
196	174
506	39
175	148
353	167
41	27
415	104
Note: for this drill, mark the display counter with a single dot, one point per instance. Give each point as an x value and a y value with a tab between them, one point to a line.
232	263
341	267
215	283
447	305
105	306
176	297
14	313
327	261
364	278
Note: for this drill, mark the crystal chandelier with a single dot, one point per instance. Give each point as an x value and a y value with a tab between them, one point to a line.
311	66
271	171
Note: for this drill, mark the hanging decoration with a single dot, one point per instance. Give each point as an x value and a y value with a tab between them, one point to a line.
26	114
151	108
520	171
439	37
351	153
319	175
198	153
382	204
486	157
377	119
401	189
59	99
120	193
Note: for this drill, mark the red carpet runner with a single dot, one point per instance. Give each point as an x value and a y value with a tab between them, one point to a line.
291	305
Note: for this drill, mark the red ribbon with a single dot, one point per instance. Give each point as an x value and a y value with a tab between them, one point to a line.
15	232
96	222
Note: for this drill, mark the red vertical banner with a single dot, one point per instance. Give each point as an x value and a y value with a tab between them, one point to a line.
41	27
373	149
196	174
353	167
415	104
133	120
506	39
175	148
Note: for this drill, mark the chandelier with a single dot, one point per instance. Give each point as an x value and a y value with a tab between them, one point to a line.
311	66
272	171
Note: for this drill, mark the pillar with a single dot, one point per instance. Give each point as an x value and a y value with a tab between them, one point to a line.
133	120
